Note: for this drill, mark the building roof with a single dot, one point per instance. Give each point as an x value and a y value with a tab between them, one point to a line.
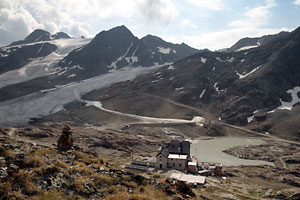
177	156
163	152
188	178
192	163
176	147
179	147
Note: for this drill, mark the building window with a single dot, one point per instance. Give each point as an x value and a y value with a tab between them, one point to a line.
179	165
173	164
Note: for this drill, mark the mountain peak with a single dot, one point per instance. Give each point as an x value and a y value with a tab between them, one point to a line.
39	35
60	35
120	30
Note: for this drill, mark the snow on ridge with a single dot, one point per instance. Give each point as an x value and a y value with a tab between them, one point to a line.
251	72
164	50
203	60
247	47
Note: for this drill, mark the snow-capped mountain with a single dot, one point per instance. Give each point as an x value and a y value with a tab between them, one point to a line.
118	48
257	87
39	35
44	66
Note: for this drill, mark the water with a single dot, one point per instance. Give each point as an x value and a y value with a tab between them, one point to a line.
211	151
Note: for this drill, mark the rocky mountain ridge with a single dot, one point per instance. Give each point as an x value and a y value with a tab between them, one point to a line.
118	48
248	43
251	87
39	35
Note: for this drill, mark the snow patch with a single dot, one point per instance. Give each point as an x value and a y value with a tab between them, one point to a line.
247	47
113	65
171	67
202	93
171	78
245	75
181	88
295	99
72	75
164	50
216	87
231	59
242	60
250	119
219	59
203	60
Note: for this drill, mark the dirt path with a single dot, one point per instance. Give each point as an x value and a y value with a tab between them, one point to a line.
12	134
283	164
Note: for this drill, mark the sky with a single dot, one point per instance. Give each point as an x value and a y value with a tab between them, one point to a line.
212	24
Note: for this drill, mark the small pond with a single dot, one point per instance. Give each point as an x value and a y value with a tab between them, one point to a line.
211	151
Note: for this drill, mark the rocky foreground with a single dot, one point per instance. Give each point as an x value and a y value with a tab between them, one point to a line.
30	171
32	167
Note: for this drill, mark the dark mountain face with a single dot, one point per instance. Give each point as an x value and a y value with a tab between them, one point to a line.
241	87
14	57
39	35
118	48
60	35
247	43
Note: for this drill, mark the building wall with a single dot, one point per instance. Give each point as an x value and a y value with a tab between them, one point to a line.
179	164
161	162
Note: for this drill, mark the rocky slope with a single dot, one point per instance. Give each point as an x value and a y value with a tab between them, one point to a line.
41	172
242	88
248	43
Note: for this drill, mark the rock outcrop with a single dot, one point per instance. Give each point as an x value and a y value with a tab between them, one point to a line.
65	141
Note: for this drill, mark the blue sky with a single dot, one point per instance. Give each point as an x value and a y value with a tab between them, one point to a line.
211	24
